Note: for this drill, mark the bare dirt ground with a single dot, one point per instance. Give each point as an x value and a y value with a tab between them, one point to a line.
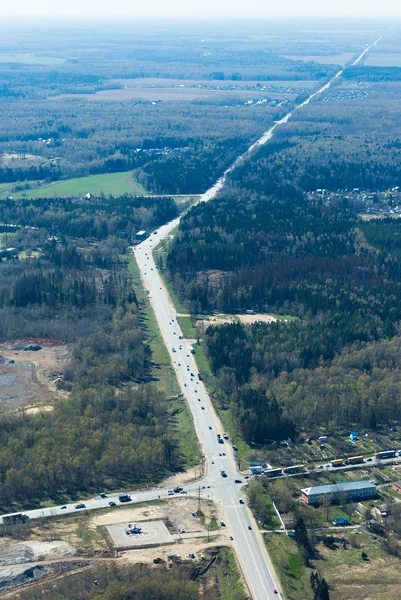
29	377
178	511
176	514
220	319
257	318
26	562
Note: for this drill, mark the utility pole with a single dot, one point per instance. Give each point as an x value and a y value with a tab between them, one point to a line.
199	500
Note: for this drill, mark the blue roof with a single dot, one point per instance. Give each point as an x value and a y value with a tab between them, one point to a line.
337	488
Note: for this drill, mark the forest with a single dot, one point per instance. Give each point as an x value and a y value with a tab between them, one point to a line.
68	280
94	218
53	128
109	582
266	244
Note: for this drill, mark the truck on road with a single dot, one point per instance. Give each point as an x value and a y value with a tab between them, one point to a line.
355	460
385	454
124	498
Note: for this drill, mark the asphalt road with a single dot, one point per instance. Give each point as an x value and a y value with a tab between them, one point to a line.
250	548
256	565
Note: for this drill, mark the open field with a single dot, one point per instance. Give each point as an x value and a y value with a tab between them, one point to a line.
380	59
28	377
30	59
116	184
346	573
154	89
324	59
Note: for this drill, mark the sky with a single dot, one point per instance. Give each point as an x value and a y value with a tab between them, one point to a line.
121	9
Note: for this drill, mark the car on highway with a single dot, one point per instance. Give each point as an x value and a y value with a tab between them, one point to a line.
203	408
80	505
275	592
231	538
212	462
250	528
238	481
184	492
111	504
63	507
170	493
209	427
240	500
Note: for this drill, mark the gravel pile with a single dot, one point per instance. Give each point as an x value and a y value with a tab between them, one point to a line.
24	552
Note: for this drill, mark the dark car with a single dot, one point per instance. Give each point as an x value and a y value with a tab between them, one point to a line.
112	503
238	481
80	505
250	528
62	507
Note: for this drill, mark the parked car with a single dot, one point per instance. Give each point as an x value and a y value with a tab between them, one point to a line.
80	505
111	504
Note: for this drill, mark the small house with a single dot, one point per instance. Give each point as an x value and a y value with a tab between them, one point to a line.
353	436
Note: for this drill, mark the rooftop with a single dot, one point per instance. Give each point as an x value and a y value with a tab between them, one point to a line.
338	487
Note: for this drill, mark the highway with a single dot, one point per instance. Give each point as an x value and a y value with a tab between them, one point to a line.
255	563
251	552
248	542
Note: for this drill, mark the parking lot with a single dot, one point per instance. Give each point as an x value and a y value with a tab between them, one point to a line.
153	533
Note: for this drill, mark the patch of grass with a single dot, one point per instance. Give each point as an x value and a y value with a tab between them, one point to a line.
351	577
293	574
284	317
116	184
164	374
228	576
242	454
160	254
187	327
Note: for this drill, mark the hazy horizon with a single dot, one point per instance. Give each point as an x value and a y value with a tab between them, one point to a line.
208	9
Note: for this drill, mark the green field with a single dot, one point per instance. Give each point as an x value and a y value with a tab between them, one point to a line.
379	59
31	59
116	184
